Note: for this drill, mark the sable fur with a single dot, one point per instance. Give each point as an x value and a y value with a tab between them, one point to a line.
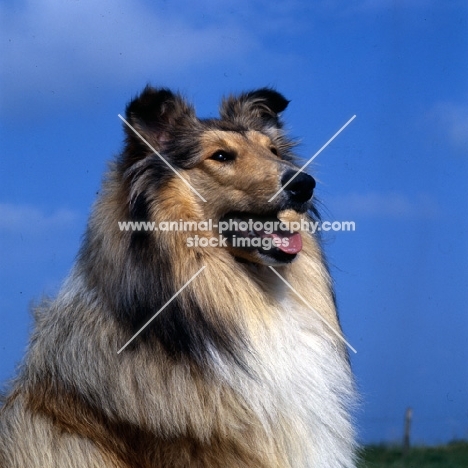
236	371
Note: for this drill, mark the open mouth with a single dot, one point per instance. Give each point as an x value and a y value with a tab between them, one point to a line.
267	235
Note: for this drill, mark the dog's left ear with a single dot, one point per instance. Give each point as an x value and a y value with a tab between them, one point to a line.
156	116
258	109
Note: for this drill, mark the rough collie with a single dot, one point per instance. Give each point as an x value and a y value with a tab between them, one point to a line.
212	345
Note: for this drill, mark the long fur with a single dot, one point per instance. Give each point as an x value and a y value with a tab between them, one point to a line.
236	371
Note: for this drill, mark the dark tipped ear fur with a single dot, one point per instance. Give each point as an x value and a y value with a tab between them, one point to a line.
257	109
154	114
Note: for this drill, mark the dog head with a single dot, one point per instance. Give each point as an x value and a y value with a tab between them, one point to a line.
237	170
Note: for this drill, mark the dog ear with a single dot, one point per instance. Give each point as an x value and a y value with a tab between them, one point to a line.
257	109
155	115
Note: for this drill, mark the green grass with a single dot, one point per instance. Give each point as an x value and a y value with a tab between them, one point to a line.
453	455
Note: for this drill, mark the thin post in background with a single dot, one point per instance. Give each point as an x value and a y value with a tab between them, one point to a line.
406	437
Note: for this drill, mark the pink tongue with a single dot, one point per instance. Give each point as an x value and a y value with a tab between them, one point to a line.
290	243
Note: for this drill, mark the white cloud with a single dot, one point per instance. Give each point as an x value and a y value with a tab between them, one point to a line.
452	120
27	218
385	205
68	47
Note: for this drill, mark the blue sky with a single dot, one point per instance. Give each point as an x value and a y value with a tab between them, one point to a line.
399	170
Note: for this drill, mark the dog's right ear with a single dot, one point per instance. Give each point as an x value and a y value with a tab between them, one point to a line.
258	109
155	115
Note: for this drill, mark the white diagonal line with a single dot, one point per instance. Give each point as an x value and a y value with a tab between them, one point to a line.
312	158
162	159
312	309
161	309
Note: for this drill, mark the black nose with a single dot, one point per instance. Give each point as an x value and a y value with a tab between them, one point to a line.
301	188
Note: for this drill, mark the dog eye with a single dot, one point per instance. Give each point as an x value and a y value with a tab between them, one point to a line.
274	150
223	156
